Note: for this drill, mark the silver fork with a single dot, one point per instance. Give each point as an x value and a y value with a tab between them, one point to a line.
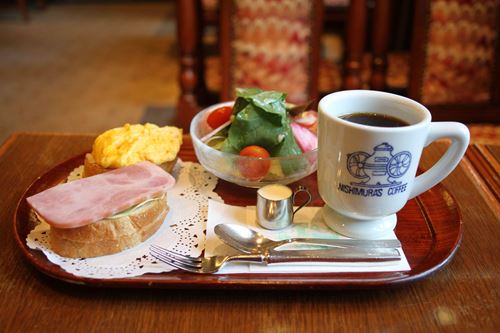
213	264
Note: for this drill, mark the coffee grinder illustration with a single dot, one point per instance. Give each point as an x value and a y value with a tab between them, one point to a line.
381	168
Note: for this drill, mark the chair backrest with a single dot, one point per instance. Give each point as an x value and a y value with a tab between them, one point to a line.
455	59
272	45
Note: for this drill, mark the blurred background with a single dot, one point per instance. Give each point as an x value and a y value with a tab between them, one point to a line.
86	66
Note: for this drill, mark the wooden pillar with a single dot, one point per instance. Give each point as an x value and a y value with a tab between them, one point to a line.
191	77
226	50
318	12
420	35
380	38
23	8
356	36
495	81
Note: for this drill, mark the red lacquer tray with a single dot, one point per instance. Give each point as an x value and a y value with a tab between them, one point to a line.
429	228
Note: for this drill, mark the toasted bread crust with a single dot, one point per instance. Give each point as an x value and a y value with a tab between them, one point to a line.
91	168
110	236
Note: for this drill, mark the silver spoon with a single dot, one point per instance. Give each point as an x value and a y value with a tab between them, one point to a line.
249	241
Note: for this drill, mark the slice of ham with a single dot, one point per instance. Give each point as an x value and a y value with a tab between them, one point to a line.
91	199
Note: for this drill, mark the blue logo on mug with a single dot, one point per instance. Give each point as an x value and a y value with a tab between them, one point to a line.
377	171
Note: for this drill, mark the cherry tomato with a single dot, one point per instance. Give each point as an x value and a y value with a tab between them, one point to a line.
219	116
254	169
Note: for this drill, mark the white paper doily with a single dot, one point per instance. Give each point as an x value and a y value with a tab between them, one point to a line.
183	230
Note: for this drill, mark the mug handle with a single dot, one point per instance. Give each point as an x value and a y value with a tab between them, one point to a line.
307	202
459	134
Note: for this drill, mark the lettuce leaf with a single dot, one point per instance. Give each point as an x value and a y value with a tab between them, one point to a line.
261	119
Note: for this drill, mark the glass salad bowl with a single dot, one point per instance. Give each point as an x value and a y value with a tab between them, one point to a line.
246	171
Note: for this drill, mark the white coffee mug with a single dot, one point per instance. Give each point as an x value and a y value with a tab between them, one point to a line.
367	173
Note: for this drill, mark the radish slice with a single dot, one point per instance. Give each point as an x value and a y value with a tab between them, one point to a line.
306	139
307	119
215	131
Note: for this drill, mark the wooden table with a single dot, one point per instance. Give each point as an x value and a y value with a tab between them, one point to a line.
463	296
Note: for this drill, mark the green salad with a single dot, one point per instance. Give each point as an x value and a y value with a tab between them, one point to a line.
259	119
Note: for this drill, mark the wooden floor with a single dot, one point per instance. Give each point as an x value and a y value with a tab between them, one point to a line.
86	67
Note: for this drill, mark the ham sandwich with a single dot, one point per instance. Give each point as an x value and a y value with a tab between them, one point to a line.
91	199
106	213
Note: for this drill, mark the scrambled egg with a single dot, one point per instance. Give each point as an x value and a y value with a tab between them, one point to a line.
130	144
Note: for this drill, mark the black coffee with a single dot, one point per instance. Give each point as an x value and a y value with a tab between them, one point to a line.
374	119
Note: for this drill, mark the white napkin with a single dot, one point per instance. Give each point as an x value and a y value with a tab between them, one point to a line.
308	222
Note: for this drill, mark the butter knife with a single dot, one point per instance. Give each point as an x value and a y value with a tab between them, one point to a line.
308	256
333	255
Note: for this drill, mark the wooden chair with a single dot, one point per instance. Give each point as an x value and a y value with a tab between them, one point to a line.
453	63
263	43
455	59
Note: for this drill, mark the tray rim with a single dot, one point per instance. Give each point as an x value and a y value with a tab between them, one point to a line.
179	279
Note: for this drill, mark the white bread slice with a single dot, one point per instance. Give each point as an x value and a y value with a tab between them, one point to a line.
110	236
91	167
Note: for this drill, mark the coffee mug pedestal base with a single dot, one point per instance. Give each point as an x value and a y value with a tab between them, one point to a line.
362	229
